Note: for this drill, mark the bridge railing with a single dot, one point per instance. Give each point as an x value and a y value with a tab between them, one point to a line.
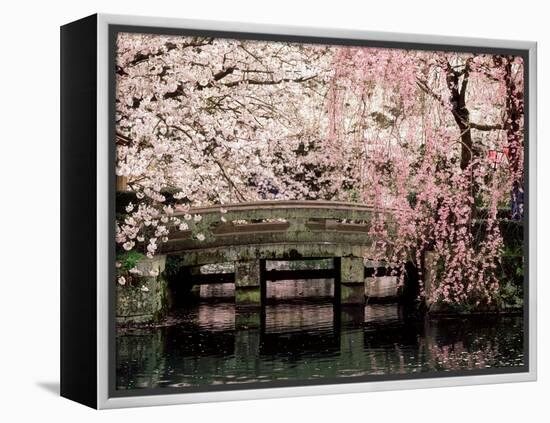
285	209
269	222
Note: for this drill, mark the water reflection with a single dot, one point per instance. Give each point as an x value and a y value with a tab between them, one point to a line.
211	344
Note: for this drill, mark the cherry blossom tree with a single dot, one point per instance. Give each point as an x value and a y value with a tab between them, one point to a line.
204	121
426	121
215	121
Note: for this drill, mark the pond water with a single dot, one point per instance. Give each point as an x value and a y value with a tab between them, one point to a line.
211	344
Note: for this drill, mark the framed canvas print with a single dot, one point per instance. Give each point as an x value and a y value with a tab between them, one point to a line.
255	211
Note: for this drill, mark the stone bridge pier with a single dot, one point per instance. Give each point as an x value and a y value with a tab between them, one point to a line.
249	284
349	282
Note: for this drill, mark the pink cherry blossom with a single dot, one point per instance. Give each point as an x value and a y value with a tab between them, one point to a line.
220	121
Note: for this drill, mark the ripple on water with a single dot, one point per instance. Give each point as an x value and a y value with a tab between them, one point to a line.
211	344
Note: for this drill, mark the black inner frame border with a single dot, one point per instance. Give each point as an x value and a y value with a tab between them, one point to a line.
115	29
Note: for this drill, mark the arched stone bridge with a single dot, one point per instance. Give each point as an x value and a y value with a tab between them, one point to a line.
278	230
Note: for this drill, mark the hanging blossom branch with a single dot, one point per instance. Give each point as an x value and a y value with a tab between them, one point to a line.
429	189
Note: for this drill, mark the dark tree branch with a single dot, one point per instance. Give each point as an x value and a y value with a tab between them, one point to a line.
217	76
140	57
257	82
224	72
466	76
461	114
484	127
220	75
228	179
123	139
423	85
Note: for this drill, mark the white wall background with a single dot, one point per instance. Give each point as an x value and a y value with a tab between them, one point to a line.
29	209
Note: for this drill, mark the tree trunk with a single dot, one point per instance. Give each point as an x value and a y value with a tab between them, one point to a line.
460	112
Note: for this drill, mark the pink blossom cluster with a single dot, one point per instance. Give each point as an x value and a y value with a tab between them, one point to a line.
204	121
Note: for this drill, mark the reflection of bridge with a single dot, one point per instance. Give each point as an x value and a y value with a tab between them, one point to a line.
248	234
222	345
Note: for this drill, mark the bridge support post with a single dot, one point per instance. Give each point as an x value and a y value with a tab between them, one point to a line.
352	280
248	283
149	299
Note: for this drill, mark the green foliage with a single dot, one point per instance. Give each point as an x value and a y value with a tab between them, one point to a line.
511	270
129	259
511	230
509	296
310	264
173	265
412	198
514	250
382	120
352	194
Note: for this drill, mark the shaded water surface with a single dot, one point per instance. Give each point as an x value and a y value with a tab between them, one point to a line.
212	344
